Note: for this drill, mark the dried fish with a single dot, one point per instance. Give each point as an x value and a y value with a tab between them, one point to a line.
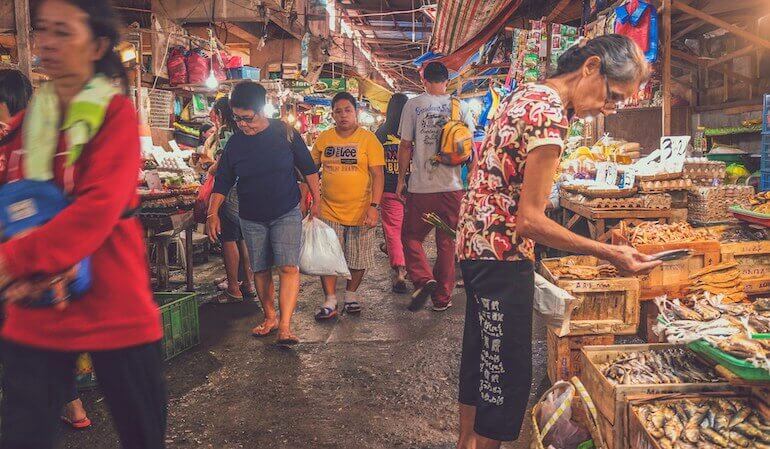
739	417
715	437
671	365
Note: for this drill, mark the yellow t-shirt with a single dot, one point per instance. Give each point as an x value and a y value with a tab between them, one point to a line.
346	184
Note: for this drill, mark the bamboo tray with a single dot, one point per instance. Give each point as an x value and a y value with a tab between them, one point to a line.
609	193
659	177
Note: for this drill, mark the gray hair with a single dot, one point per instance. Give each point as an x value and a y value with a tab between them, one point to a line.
621	58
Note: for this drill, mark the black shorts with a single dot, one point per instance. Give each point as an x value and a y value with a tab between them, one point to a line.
496	365
231	229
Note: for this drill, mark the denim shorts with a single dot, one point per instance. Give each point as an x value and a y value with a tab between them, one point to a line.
274	243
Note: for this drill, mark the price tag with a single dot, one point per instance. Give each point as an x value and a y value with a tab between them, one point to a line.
601	171
153	180
673	152
629	177
612	174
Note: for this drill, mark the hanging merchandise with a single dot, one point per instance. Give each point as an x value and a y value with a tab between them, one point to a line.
639	21
176	66
491	102
219	66
562	38
198	66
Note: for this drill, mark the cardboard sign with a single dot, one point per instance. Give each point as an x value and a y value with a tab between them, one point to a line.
673	152
153	180
629	177
612	174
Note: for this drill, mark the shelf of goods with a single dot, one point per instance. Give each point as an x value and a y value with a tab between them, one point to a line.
726	420
671	278
605	303
765	174
615	376
750	249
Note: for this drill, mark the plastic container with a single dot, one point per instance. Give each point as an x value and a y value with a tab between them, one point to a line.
244	73
740	368
764	181
181	328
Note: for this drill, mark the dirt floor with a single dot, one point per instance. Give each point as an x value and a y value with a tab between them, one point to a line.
387	379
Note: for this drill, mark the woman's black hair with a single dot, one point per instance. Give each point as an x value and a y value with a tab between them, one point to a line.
225	113
15	90
344	96
104	23
620	57
392	116
248	95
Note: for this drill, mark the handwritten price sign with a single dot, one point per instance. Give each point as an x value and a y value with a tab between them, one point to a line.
673	151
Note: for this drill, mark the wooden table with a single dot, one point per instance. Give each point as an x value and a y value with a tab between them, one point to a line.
597	219
159	230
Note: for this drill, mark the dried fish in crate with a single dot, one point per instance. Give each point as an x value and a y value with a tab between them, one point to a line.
671	366
713	423
653	232
724	279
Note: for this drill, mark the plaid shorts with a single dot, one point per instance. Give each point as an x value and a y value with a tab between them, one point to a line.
357	243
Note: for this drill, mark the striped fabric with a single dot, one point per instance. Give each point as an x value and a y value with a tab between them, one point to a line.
459	21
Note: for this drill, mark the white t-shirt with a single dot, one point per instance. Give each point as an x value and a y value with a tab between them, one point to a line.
421	123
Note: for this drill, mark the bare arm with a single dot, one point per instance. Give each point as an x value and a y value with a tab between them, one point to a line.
214	226
378	183
314	185
404	161
532	223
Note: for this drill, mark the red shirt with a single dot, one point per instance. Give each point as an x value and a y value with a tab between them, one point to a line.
119	310
531	117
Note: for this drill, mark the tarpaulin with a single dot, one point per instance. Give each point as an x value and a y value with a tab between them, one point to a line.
463	26
377	95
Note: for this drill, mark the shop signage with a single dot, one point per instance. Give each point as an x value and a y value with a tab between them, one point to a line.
297	85
330	85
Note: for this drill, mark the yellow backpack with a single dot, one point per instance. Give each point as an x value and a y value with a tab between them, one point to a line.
456	143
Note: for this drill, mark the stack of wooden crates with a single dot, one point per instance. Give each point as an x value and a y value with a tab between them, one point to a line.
606	308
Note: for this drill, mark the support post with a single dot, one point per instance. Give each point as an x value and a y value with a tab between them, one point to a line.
665	42
21	8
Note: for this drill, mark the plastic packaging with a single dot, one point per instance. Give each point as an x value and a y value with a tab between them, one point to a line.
321	253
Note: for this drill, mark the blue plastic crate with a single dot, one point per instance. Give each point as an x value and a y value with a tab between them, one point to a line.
766	115
765	152
764	181
244	73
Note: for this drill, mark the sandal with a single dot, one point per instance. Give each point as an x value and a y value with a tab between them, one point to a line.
262	331
77	425
229	298
399	287
352	308
326	313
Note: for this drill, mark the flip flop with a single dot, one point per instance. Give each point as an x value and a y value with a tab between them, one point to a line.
264	332
399	287
352	308
325	313
79	424
229	298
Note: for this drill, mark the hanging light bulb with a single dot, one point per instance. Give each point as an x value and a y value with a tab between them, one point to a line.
269	110
211	82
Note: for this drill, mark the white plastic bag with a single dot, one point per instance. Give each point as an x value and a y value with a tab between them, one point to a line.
554	418
321	253
554	304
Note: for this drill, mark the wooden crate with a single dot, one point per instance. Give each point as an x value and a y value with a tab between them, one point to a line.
564	360
647	321
753	260
639	438
612	400
672	278
605	306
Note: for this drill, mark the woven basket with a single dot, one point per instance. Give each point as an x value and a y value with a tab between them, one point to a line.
583	411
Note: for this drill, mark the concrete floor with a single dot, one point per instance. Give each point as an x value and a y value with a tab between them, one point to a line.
387	379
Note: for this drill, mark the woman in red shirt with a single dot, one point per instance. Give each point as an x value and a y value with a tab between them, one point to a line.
116	320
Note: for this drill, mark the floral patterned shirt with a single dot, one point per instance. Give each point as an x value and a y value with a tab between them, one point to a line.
531	117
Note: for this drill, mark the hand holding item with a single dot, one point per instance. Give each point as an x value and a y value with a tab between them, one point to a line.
372	217
28	291
629	260
315	209
213	227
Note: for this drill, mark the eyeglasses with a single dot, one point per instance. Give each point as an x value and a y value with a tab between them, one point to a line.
241	119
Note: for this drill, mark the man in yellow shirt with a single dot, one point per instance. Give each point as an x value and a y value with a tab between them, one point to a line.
352	180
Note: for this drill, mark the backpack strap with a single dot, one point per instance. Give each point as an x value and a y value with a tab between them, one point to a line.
455	112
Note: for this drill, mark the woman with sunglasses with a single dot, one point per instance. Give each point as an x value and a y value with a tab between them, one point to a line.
264	157
503	216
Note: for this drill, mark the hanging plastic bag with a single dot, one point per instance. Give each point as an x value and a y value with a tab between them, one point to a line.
201	207
177	66
564	418
321	253
554	304
198	66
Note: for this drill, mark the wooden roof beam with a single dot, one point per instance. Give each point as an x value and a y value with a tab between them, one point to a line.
237	31
677	4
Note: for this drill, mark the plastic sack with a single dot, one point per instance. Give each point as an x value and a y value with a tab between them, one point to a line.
201	207
198	66
554	304
219	66
556	427
176	66
321	253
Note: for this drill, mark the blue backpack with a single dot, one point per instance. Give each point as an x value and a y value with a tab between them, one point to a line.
25	205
